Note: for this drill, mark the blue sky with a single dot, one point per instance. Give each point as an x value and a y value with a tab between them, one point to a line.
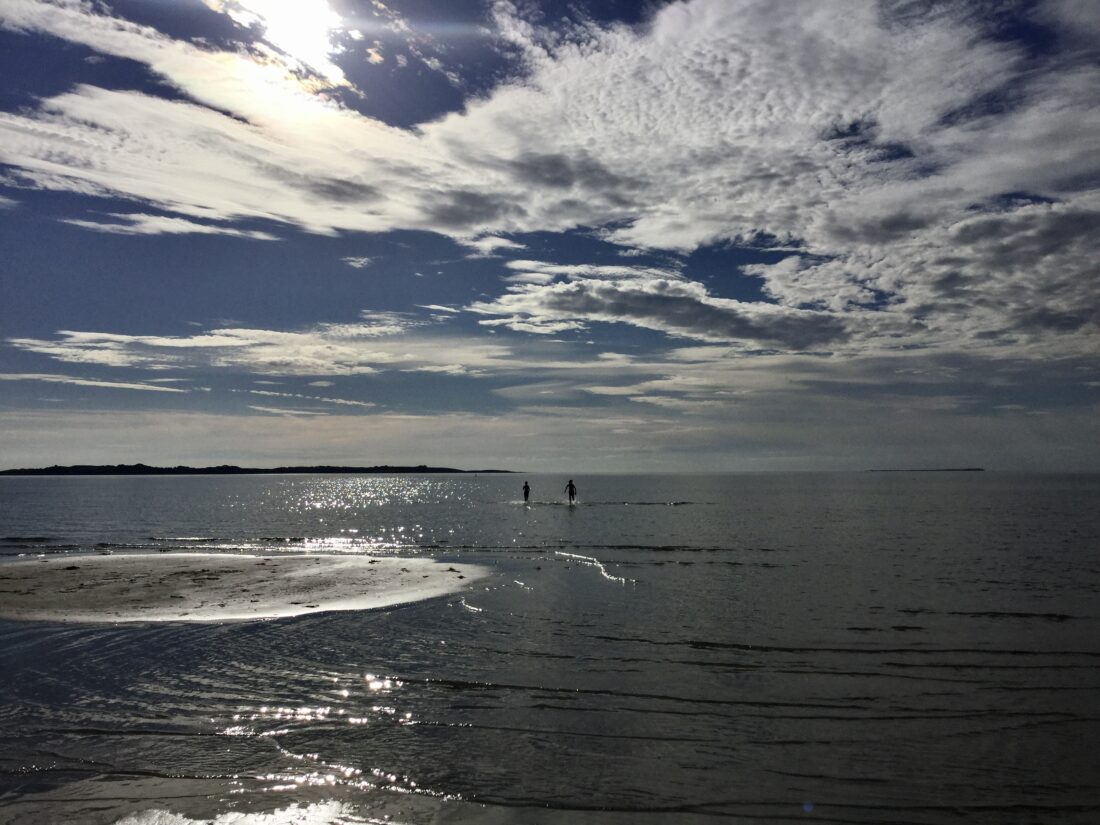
566	236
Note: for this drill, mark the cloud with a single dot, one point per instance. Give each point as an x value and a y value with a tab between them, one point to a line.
340	401
614	409
544	272
1022	278
863	139
678	308
358	262
790	428
86	382
487	246
378	342
138	224
464	210
301	30
284	410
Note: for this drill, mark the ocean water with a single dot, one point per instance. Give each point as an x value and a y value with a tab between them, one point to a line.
916	648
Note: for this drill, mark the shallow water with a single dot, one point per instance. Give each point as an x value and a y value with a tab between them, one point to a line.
864	648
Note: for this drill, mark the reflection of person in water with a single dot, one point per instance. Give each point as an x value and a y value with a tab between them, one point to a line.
571	488
526	492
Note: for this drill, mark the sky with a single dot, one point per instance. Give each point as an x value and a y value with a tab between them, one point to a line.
710	235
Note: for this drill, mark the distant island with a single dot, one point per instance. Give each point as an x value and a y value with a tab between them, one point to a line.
225	469
932	470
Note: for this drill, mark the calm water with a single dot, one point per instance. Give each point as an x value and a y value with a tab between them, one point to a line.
855	648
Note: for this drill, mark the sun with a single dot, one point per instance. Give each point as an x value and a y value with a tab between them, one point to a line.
302	30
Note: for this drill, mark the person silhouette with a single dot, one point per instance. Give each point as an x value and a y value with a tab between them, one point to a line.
571	488
526	492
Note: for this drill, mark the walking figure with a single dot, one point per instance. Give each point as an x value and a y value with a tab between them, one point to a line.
571	488
526	492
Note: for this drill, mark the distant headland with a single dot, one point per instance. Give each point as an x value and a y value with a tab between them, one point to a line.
227	470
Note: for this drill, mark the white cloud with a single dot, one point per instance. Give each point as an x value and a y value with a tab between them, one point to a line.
543	272
340	401
489	245
679	308
860	134
379	342
302	30
284	410
86	382
138	224
358	262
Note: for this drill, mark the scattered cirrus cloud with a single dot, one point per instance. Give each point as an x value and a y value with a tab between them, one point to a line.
284	410
139	224
49	378
339	401
378	342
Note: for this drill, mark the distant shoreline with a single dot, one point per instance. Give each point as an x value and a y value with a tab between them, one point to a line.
227	469
932	470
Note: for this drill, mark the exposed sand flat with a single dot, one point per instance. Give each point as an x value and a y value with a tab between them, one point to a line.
210	587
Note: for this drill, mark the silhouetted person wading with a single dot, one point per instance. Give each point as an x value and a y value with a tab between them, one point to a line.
571	488
526	492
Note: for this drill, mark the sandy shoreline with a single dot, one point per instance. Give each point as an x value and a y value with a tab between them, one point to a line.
211	587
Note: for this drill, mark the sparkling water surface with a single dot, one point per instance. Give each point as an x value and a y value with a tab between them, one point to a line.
915	648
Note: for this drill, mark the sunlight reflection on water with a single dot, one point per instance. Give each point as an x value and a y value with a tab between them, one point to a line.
322	813
277	723
360	492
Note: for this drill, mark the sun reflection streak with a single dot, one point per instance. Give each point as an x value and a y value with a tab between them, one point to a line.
316	770
592	562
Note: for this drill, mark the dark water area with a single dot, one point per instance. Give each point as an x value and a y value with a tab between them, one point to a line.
853	648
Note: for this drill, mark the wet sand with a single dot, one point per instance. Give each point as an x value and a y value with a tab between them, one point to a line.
212	587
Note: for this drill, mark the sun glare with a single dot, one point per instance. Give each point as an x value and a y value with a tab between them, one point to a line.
300	29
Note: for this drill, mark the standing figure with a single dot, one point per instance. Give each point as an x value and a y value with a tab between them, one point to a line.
571	489
526	492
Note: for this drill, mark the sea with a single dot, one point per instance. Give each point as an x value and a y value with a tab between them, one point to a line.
888	648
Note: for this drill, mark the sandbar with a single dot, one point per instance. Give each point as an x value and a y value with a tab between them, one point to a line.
217	587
